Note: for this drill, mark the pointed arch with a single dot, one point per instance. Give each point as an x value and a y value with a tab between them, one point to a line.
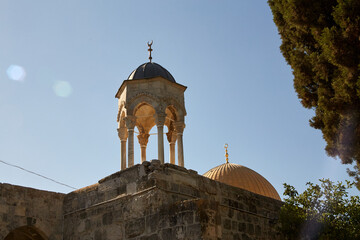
144	113
140	98
176	106
121	109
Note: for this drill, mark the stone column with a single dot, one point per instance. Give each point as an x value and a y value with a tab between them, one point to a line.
179	126
160	120
143	141
123	134
171	136
130	124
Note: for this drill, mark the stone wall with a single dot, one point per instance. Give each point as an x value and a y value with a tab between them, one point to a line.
36	209
153	201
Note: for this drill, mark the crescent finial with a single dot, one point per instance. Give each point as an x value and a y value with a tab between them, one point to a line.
149	45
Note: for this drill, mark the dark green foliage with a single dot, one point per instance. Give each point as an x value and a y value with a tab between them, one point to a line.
321	212
321	42
355	174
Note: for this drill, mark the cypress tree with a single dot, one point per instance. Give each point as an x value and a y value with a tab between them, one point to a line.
321	43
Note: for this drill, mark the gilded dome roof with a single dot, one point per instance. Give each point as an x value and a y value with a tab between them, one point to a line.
242	177
150	70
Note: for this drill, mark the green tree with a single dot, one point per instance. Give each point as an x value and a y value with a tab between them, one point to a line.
321	212
321	43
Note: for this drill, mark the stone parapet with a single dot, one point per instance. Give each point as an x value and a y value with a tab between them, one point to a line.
165	201
22	207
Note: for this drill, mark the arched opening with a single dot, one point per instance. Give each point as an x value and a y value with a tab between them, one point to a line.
26	233
145	121
143	113
171	115
123	134
121	120
171	118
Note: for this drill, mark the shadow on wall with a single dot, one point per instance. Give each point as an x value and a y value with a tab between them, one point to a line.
26	233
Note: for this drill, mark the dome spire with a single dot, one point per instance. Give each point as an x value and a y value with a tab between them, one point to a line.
150	49
226	152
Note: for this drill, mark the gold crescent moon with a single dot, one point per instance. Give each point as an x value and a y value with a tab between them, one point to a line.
226	145
149	44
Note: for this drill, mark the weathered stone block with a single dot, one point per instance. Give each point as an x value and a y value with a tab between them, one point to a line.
252	208
149	201
20	210
234	225
173	220
114	232
258	230
131	188
186	218
81	226
134	228
227	224
4	217
98	235
107	218
236	236
230	213
180	232
87	224
241	227
22	206
193	231
244	236
151	237
167	233
250	228
83	215
152	222
187	190
174	187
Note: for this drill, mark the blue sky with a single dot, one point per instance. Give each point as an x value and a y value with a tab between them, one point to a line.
62	62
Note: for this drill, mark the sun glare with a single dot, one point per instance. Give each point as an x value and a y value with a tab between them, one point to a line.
16	73
62	89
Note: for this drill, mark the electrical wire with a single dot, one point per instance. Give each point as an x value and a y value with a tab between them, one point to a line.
37	174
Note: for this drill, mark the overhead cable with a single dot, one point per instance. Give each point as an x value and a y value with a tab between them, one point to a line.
37	174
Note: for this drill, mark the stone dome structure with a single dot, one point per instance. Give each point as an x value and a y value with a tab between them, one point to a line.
242	177
150	70
150	97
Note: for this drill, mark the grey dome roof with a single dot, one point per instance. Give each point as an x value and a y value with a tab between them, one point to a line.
150	70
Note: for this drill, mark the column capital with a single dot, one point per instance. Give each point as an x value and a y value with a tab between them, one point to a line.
160	119
143	139
179	126
130	121
171	136
122	133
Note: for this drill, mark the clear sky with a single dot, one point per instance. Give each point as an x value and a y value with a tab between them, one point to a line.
61	63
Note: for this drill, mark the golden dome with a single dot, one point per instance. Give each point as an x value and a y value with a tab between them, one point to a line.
242	177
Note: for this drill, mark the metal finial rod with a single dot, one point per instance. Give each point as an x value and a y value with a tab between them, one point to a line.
226	152
149	45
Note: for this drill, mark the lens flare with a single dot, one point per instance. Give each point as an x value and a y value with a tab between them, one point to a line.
62	88
16	73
